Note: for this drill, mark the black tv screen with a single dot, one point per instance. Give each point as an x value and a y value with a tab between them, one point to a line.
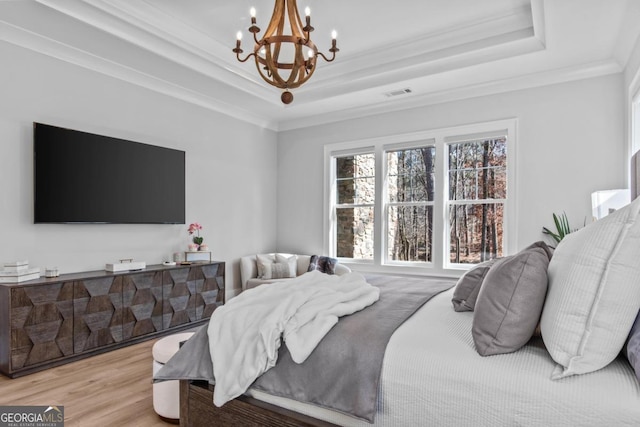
85	178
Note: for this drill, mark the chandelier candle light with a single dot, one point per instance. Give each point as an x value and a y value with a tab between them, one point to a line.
300	53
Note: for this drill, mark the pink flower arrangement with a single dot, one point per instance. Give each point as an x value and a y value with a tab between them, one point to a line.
195	228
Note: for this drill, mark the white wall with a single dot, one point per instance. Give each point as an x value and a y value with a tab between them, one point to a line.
231	168
570	143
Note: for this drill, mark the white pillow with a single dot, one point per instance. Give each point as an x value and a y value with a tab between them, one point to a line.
262	261
291	262
283	268
594	293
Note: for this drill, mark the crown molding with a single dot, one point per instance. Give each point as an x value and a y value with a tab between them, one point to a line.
144	25
629	35
537	18
439	46
63	52
434	62
532	80
426	65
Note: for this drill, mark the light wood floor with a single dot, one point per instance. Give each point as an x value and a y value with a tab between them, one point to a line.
111	389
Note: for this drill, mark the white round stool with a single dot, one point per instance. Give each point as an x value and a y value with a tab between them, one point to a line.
166	394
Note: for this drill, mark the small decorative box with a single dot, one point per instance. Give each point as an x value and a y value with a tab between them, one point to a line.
194	256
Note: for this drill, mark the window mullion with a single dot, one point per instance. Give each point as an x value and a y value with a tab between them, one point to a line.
380	210
353	205
477	201
440	218
410	203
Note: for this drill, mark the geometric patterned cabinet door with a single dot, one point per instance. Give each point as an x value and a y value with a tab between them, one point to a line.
97	313
176	293
191	294
142	304
209	290
110	310
41	323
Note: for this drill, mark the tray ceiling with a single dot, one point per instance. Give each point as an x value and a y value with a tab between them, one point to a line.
439	50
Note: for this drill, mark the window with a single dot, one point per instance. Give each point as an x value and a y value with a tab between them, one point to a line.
410	195
355	202
477	194
435	200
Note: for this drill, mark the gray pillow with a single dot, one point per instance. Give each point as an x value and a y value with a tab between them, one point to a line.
323	264
468	286
632	349
510	301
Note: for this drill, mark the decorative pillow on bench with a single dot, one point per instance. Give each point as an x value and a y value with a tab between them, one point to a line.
323	264
276	267
261	261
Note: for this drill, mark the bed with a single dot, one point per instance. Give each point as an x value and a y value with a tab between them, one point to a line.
433	374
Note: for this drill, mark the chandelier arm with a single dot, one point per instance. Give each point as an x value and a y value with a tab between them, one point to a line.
327	59
304	75
245	59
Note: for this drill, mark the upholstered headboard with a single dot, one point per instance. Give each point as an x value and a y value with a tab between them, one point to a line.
635	175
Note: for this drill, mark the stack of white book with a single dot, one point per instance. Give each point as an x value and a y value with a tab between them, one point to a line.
18	271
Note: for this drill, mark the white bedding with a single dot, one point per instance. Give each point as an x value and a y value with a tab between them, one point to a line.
433	376
245	334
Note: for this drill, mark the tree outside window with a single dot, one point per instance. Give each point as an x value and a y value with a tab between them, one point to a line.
477	194
410	191
434	199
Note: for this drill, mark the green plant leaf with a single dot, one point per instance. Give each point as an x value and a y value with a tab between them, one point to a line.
562	227
553	235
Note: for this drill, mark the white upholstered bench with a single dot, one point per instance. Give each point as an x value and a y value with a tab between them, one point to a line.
249	276
166	394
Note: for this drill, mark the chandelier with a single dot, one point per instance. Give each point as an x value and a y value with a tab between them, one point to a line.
285	61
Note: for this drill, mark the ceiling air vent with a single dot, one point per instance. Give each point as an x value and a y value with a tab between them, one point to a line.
393	93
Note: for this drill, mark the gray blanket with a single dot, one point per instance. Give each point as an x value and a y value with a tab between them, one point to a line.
343	372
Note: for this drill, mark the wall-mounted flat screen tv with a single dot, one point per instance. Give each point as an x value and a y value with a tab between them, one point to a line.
80	177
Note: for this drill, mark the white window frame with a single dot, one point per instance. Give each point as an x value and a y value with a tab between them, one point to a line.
440	138
634	141
461	139
633	122
387	204
334	201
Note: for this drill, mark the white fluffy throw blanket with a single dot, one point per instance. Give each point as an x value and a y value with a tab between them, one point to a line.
245	333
